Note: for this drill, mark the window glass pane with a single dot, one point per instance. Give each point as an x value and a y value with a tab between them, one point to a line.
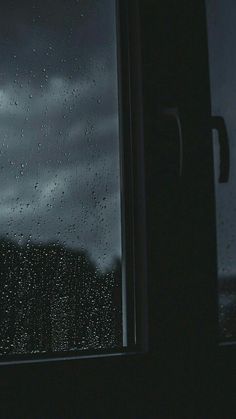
222	57
60	217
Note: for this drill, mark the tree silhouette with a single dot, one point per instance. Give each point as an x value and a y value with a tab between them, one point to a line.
54	299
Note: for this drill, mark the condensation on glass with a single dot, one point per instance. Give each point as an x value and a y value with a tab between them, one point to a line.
221	19
60	216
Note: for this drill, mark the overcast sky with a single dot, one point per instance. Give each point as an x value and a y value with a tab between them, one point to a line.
59	148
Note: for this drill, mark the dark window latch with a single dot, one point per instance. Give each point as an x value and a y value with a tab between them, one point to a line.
218	123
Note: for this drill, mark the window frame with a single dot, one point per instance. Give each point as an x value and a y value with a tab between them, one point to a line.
169	368
132	178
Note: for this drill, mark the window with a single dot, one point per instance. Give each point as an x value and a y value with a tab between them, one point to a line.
221	34
181	374
64	244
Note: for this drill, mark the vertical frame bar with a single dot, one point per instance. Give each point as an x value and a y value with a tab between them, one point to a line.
132	176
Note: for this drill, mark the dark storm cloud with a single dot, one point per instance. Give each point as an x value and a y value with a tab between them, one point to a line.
64	37
59	148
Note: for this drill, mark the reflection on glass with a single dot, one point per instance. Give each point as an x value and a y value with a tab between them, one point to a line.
60	221
222	58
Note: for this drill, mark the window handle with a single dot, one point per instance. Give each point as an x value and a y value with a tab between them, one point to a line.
218	123
173	113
